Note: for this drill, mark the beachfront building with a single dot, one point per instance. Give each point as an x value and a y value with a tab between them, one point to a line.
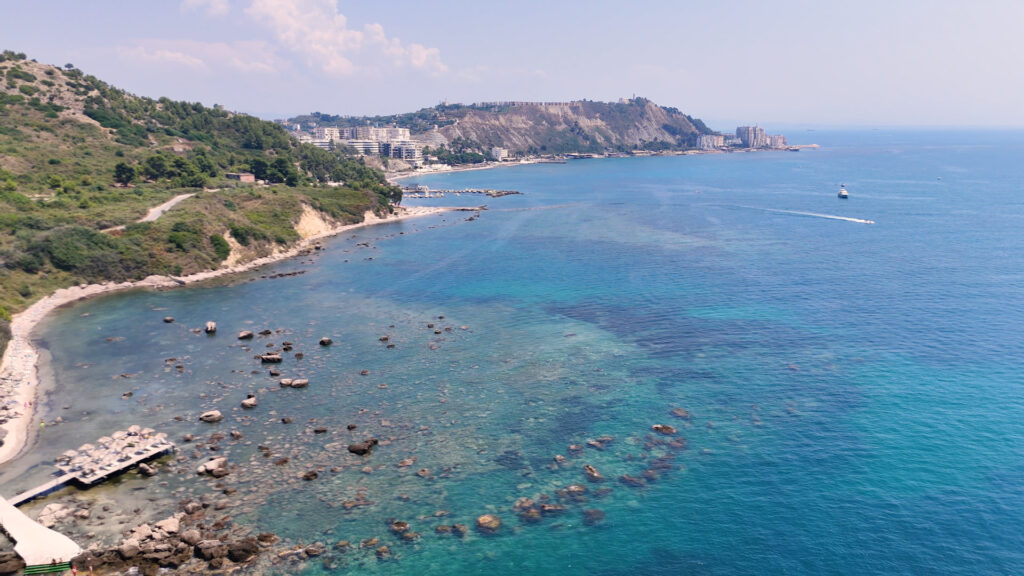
403	150
365	147
499	154
752	136
756	137
710	141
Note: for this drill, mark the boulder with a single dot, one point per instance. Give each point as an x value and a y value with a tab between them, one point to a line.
147	470
592	474
286	382
211	327
141	533
170	525
325	341
245	335
129	548
310	475
364	447
250	402
191	536
215	464
270	358
300	383
488	523
168	319
211	416
664	429
243	550
211	549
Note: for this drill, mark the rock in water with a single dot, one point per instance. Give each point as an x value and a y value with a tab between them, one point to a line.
211	327
364	447
250	402
245	335
168	319
663	429
325	341
488	523
211	416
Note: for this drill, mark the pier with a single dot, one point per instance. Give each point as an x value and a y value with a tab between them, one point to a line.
41	547
424	192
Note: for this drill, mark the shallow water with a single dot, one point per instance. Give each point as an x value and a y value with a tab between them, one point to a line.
854	388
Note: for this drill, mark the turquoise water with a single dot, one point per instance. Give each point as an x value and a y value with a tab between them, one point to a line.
854	389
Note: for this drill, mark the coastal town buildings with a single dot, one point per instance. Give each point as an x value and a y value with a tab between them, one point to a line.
710	141
756	137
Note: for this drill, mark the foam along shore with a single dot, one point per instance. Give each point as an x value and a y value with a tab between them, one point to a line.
19	377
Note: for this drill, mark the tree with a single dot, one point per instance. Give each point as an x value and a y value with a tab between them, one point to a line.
124	174
155	167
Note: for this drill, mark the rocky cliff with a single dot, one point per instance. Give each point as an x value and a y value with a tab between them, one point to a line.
579	126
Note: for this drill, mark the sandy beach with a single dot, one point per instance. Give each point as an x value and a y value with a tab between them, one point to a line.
19	377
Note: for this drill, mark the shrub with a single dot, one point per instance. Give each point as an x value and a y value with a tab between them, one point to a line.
220	246
185	236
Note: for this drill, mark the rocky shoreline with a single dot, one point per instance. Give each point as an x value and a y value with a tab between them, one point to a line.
18	369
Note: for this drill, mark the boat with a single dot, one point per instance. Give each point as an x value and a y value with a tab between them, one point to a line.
843	194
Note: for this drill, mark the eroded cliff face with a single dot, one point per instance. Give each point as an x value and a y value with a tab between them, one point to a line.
573	126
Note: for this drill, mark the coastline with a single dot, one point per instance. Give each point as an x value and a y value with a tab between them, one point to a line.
19	368
394	177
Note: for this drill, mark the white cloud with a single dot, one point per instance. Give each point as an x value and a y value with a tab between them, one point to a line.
246	57
161	56
211	7
317	31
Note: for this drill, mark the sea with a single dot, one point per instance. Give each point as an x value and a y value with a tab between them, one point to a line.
839	384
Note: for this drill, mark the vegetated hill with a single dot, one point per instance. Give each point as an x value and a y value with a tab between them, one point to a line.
580	126
78	157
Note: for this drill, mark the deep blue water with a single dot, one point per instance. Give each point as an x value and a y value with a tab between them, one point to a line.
855	389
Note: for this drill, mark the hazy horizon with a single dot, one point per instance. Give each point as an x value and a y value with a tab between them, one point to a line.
782	64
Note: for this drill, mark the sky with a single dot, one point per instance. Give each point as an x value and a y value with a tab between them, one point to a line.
730	62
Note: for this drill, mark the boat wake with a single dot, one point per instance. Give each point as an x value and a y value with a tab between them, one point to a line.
811	214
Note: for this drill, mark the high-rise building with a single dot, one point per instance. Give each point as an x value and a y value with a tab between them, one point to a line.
752	136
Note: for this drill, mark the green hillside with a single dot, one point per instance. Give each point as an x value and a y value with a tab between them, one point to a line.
78	156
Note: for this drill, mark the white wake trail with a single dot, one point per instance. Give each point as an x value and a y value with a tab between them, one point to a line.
812	214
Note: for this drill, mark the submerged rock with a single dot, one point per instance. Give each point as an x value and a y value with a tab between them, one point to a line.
664	429
488	523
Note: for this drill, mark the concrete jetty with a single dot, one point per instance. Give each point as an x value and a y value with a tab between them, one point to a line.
87	466
34	543
424	192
